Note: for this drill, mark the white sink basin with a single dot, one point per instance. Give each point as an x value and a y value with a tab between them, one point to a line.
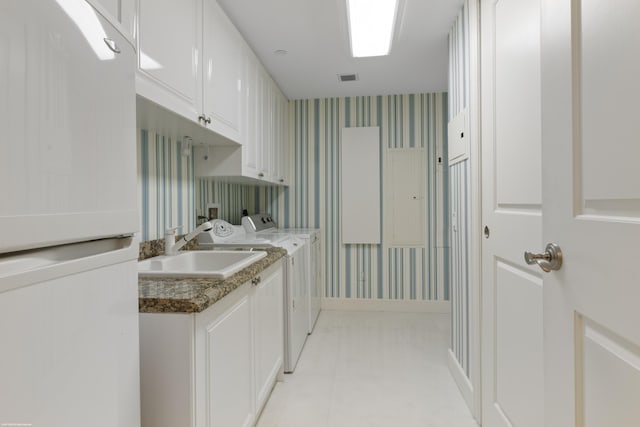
213	264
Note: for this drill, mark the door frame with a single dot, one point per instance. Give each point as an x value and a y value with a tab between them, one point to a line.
475	173
471	387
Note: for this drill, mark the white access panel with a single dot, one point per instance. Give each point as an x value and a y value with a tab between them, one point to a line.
360	185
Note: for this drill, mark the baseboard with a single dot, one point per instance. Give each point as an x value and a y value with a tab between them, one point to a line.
459	376
410	306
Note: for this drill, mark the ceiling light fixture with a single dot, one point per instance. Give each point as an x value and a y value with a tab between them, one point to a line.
371	25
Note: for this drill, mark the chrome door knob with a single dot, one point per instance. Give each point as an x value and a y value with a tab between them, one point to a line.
551	259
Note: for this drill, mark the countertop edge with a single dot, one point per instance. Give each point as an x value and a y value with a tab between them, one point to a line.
194	295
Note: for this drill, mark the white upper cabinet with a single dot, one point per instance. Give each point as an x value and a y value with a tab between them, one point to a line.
222	72
198	77
264	132
250	147
169	37
281	139
189	63
265	125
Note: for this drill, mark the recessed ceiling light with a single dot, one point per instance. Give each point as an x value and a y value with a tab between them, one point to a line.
371	25
280	52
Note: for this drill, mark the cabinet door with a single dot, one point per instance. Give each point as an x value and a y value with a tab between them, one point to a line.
268	333
250	147
264	129
282	123
227	368
169	45
275	130
222	71
274	134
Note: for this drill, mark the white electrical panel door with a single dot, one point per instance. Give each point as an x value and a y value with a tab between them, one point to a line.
405	193
360	185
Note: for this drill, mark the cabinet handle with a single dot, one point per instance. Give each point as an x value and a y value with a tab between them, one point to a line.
281	180
256	280
261	175
208	120
202	118
111	45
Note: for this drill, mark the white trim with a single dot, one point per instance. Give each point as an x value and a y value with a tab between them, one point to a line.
410	306
459	376
475	172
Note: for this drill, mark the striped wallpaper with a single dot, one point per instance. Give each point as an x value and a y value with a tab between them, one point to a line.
459	193
166	186
233	198
460	263
360	270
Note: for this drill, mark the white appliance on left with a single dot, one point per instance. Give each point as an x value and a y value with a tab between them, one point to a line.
68	214
296	287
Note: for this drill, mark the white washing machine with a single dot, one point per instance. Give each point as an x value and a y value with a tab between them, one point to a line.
313	253
296	298
261	223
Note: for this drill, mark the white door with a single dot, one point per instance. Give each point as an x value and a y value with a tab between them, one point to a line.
512	356
591	187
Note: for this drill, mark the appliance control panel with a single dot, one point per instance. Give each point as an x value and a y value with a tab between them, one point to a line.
258	222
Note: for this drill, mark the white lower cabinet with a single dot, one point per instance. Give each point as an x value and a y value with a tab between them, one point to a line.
268	333
215	368
223	360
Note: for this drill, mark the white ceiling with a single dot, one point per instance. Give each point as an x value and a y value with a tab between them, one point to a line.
315	34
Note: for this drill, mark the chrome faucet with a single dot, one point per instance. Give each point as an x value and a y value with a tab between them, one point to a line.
170	245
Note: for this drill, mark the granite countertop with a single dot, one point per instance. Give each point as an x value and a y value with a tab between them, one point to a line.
193	295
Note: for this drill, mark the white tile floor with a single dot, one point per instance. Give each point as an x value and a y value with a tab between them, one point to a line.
371	369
